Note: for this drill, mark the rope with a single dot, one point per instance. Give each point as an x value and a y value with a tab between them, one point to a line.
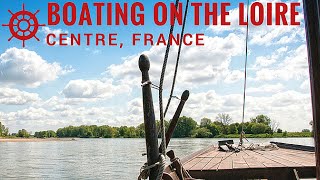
162	164
262	147
245	74
178	58
145	169
162	125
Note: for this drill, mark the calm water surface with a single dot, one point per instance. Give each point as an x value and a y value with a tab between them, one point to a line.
92	158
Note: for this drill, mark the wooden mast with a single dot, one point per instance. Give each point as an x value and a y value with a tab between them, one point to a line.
312	24
175	119
149	118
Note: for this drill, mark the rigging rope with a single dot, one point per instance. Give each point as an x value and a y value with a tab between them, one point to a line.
245	75
162	125
145	169
178	58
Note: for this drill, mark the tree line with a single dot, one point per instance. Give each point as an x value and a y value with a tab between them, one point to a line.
186	127
222	126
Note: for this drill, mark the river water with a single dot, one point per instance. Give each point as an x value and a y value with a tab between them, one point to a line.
93	158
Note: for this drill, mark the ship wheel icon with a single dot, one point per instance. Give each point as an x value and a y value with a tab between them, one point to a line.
23	25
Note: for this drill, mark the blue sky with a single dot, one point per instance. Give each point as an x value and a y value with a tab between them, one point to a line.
50	87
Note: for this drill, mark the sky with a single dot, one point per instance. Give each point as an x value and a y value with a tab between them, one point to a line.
47	87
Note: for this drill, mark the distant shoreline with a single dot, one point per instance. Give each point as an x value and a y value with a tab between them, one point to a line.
34	139
230	136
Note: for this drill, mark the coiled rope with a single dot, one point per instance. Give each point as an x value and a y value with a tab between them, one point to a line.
145	169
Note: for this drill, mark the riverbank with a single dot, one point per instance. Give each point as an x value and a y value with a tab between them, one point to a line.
274	135
34	139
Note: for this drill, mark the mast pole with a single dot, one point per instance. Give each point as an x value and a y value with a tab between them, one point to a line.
175	119
149	118
312	25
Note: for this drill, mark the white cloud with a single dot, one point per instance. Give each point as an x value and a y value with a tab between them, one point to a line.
28	114
305	85
265	61
198	65
22	66
267	88
56	103
234	76
93	89
135	107
294	66
16	97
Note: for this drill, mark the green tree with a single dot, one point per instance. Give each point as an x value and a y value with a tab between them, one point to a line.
305	130
279	130
205	122
259	128
248	127
131	132
140	130
23	133
107	132
233	129
221	127
201	133
269	130
51	133
214	129
122	131
184	127
60	132
261	119
45	134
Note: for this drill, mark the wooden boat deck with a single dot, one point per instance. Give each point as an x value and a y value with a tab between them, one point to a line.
276	164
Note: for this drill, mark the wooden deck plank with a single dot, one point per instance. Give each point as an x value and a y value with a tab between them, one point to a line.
210	154
226	162
212	164
302	154
288	152
285	162
263	161
238	161
303	161
201	164
215	162
253	163
192	162
207	158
